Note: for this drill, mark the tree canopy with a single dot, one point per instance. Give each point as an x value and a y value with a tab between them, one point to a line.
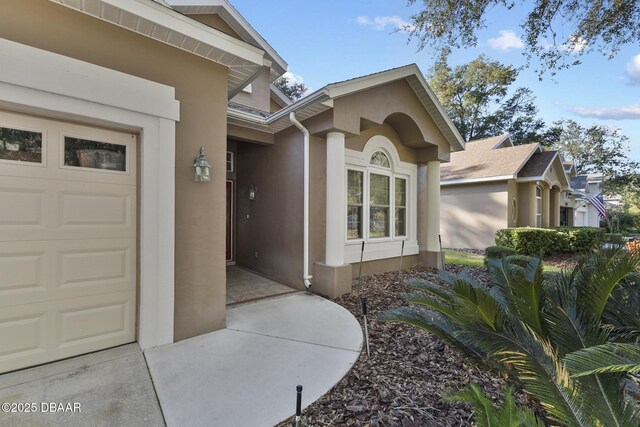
477	98
291	88
556	32
600	149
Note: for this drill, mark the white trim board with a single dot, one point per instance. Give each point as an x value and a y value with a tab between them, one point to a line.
25	90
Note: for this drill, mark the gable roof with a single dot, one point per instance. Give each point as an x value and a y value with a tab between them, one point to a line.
322	100
537	164
487	160
237	22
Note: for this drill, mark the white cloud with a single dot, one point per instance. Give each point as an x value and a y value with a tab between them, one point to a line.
380	23
633	70
507	40
294	78
625	112
574	46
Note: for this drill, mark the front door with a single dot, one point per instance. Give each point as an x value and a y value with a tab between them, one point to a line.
230	203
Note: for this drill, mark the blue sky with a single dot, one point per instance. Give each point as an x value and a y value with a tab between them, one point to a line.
333	40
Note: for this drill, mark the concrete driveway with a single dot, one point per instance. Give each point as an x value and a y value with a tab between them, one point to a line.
245	374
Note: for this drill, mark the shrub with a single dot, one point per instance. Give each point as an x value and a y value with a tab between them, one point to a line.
634	247
581	239
531	241
497	252
520	260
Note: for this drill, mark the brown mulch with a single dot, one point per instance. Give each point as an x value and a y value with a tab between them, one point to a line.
565	261
409	370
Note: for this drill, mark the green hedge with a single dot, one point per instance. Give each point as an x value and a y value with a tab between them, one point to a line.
497	252
530	241
548	241
522	261
581	239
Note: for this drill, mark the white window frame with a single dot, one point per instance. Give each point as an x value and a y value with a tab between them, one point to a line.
382	247
229	161
539	206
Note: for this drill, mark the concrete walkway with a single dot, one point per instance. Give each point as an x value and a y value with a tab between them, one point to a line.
244	375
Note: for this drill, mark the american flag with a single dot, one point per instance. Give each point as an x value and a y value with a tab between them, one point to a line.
598	202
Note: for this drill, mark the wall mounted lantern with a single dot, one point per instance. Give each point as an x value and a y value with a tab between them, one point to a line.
253	192
202	168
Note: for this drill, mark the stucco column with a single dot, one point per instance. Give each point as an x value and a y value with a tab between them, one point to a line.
332	277
334	251
429	214
546	208
555	215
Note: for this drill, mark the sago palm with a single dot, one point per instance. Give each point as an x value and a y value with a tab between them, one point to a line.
526	324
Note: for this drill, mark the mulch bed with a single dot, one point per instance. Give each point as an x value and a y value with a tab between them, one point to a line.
409	370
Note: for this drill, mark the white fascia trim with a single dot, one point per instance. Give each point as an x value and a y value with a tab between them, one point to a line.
245	116
171	19
444	183
277	93
88	103
317	96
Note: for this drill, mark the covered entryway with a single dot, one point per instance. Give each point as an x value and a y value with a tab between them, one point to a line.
68	246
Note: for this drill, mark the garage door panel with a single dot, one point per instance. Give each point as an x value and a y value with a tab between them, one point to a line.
33	209
57	270
21	207
22	336
22	272
39	333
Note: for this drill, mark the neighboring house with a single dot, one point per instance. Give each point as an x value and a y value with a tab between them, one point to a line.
106	239
584	187
494	184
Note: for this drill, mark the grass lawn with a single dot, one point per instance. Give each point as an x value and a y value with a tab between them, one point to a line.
475	260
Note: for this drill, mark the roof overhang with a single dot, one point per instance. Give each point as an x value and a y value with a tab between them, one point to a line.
462	181
161	23
237	22
322	100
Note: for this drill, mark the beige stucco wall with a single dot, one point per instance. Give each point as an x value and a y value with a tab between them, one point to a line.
526	204
392	102
201	89
471	214
260	96
269	229
357	142
216	22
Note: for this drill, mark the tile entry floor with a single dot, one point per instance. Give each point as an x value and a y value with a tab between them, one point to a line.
243	286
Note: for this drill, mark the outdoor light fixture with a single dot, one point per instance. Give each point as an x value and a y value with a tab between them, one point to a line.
202	167
253	192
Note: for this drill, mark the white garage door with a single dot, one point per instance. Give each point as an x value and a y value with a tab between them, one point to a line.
67	240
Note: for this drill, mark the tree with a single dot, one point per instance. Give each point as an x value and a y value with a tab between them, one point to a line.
291	88
556	32
476	97
600	149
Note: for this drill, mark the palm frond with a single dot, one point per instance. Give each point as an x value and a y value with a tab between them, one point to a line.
605	358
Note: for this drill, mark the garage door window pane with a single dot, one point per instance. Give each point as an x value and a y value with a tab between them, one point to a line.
85	153
20	145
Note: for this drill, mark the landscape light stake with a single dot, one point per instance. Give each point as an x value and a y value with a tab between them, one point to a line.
444	268
360	273
363	305
298	405
401	255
